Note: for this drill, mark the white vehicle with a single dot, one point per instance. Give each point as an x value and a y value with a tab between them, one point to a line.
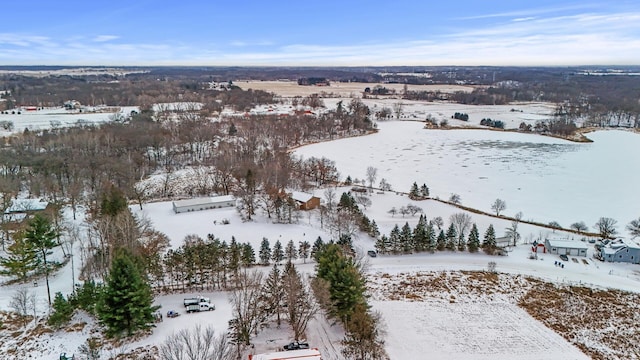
203	306
196	300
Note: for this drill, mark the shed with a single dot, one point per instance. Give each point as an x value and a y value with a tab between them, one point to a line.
566	247
305	354
204	203
305	201
26	206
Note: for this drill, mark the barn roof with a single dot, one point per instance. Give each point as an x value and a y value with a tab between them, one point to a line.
569	244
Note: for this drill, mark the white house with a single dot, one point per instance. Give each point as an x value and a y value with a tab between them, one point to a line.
204	203
621	250
566	247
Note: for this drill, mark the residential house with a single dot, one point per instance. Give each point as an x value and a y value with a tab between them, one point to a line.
304	200
620	250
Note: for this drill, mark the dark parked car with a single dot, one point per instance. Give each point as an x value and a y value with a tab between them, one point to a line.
564	257
296	345
372	253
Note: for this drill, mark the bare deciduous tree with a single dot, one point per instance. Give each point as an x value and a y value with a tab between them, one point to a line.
247	307
301	306
461	222
498	206
372	174
196	344
579	226
634	228
606	227
21	302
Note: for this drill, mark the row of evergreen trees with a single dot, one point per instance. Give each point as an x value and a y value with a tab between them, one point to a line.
428	237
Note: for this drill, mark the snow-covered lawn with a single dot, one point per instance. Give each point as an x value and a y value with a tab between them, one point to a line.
545	178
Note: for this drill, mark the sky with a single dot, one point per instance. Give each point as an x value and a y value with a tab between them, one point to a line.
320	33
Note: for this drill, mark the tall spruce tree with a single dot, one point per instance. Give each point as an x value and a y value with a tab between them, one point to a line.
126	304
317	247
414	193
489	242
424	191
248	256
420	235
346	284
394	240
452	237
441	243
303	250
41	235
265	251
277	254
291	252
406	239
273	293
431	237
474	239
382	244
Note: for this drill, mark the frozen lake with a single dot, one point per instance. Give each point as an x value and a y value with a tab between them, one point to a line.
547	179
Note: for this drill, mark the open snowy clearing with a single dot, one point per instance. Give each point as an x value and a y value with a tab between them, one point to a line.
547	179
340	89
469	331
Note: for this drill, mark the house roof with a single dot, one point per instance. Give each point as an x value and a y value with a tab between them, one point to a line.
569	244
203	201
304	354
23	205
301	196
620	244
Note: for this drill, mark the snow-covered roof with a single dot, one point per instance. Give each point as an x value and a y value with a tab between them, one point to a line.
203	201
617	245
305	354
301	196
570	244
22	205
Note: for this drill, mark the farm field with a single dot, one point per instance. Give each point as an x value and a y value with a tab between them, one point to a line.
338	89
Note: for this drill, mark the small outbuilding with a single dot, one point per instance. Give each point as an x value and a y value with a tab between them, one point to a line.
205	203
566	247
305	201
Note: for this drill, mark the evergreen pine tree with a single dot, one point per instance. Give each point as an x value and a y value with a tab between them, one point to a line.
317	247
234	256
248	257
346	242
303	250
462	242
374	232
489	242
125	305
431	237
277	255
441	243
62	311
474	239
452	237
265	251
424	191
346	284
41	234
21	258
394	240
291	252
406	238
414	193
420	235
273	293
381	244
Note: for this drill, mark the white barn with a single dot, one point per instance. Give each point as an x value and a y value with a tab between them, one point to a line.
204	203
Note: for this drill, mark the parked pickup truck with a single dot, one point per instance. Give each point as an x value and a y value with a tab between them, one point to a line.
196	300
203	306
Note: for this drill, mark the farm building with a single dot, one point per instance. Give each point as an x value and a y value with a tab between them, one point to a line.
306	354
566	247
305	201
620	251
20	209
205	203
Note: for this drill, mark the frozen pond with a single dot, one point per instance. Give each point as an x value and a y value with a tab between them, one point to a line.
547	179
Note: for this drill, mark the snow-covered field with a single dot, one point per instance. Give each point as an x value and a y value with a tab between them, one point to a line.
48	118
547	179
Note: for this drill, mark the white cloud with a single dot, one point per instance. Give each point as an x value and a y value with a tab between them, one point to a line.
104	38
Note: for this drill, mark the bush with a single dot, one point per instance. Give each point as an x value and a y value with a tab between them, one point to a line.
62	311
